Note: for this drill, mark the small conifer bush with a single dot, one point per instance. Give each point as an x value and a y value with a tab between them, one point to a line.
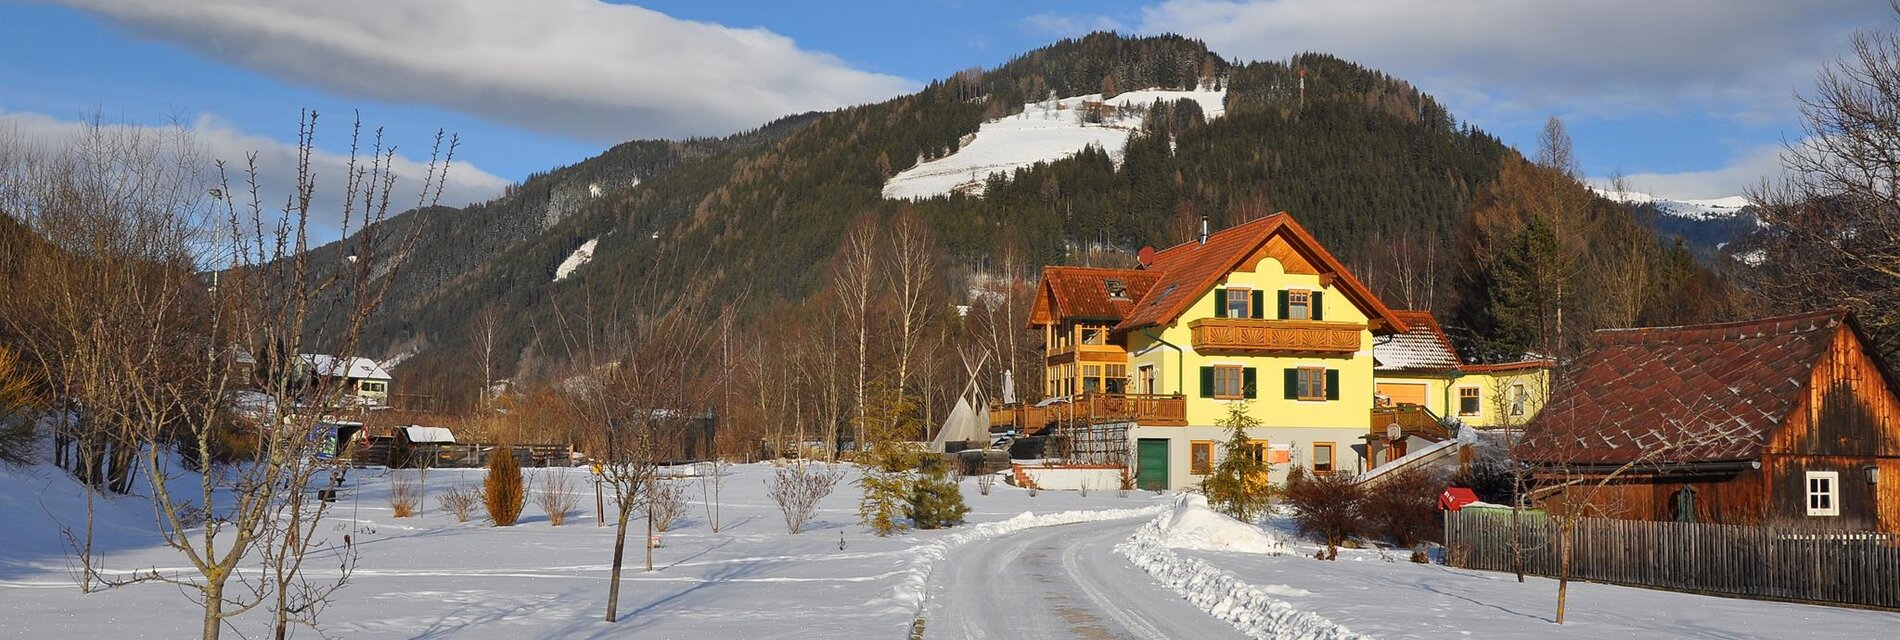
504	492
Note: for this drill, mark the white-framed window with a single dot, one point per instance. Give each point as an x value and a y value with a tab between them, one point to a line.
1520	397
1468	402
1299	304
1824	493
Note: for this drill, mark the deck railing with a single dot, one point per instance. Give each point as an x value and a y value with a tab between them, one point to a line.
1257	336
1095	408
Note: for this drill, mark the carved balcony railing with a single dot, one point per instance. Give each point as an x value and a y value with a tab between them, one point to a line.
1248	336
1095	408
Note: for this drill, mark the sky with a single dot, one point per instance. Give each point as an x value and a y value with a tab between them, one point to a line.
1685	98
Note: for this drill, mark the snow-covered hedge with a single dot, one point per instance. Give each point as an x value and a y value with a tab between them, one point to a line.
1250	609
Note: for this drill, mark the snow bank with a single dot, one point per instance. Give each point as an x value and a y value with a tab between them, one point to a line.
1253	610
911	588
579	258
1044	131
1192	525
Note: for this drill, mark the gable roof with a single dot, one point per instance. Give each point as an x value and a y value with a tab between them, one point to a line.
1083	292
1423	348
1190	269
1720	388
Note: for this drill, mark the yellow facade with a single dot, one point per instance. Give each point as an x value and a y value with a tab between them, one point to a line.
1479	398
1176	369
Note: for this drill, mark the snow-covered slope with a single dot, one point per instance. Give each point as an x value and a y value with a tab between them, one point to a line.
580	257
1045	131
1698	209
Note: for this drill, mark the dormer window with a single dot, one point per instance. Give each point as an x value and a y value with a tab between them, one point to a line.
1117	289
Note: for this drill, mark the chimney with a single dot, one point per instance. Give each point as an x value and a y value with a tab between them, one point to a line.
1203	229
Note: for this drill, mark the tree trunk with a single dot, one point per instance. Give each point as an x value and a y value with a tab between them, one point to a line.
214	608
1563	571
620	549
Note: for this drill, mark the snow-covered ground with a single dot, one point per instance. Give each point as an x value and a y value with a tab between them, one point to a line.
1044	132
1694	208
433	577
579	258
1384	595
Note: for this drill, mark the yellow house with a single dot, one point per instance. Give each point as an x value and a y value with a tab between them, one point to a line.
1419	368
1258	315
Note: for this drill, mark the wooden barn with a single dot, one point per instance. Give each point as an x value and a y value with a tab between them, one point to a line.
1786	421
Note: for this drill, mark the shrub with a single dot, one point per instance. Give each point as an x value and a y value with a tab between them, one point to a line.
18	392
797	489
984	482
1403	507
936	502
556	496
460	500
666	502
504	492
1327	507
404	495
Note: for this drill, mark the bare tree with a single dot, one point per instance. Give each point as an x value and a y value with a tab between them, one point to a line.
486	335
853	282
1834	219
913	271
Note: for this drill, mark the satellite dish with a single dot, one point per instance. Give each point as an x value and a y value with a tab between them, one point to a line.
1146	257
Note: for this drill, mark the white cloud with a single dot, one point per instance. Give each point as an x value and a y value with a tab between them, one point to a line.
1743	171
217	139
1504	61
596	71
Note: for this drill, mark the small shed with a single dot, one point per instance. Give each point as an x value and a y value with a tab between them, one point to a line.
420	446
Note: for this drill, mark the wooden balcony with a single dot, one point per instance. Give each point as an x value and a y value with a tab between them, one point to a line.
1094	408
1248	336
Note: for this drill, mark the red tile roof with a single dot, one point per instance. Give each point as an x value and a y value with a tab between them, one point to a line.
1083	292
1703	393
1190	269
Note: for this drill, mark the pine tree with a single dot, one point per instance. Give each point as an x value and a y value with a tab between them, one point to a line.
1239	486
936	501
888	460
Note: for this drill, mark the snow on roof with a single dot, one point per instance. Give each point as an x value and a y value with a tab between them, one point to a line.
1424	348
352	367
417	433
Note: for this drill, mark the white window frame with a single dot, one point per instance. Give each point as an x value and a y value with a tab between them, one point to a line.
1520	399
1479	395
1829	492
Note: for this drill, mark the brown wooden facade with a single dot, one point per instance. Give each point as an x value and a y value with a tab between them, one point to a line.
1845	421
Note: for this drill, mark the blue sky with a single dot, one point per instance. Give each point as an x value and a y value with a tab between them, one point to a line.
1687	97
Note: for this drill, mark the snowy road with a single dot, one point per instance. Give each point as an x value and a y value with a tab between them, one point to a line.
1058	582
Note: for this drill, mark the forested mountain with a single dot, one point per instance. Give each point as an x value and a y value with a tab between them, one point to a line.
1432	212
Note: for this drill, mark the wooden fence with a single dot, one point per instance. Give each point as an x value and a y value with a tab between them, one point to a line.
1827	567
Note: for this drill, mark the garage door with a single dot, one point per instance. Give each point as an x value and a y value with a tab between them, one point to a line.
1403	393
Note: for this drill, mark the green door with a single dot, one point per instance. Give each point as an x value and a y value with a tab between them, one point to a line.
1151	464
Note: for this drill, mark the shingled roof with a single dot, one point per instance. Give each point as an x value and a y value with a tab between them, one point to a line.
1088	293
1423	348
1187	270
1703	393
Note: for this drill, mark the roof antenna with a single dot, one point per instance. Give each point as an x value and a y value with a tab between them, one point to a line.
1203	229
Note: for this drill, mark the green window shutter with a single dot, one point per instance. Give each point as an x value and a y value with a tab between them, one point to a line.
1259	303
1318	308
1332	384
1282	304
1220	303
1292	382
1249	382
1207	382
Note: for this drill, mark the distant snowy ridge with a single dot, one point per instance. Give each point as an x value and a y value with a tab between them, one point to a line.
1697	209
1251	609
579	258
1045	131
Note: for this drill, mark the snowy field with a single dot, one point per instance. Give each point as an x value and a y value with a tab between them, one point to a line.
1693	208
1057	564
431	577
1043	132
